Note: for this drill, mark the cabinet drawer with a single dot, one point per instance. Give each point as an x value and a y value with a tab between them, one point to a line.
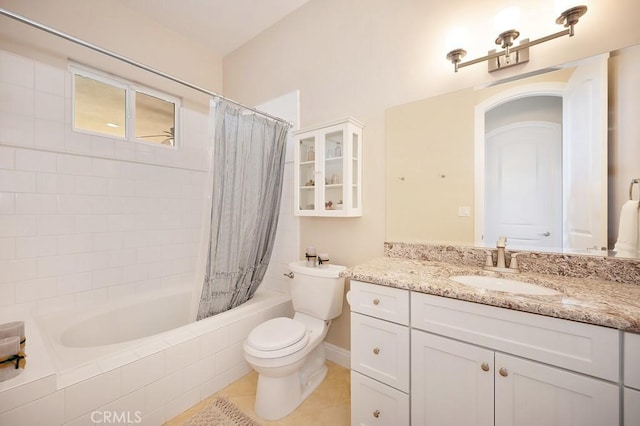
373	403
631	360
380	349
576	346
391	304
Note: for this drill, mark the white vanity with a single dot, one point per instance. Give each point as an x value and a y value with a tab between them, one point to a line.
423	359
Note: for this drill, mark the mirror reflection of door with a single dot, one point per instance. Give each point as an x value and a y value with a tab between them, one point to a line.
523	172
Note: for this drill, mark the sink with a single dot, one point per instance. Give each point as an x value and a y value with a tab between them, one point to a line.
503	284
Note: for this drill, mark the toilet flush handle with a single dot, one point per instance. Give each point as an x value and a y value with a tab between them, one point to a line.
290	275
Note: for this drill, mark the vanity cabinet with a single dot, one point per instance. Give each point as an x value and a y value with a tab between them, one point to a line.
379	355
473	364
328	169
510	368
631	379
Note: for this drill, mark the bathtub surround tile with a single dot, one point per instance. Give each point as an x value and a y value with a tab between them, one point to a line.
16	129
180	355
20	395
16	99
56	265
182	403
29	247
50	183
49	107
56	224
32	290
239	330
229	357
120	292
17	181
49	79
158	393
214	341
17	226
151	348
48	410
7	203
17	70
27	204
90	394
48	134
35	161
17	270
106	277
198	373
78	374
217	383
7	248
129	406
116	361
55	304
76	142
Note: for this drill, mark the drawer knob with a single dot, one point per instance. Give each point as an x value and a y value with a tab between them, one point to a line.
376	301
376	351
485	366
504	372
376	414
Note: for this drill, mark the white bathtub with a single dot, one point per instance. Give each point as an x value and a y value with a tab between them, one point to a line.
140	352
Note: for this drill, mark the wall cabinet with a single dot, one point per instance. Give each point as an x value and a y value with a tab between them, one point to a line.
328	169
473	364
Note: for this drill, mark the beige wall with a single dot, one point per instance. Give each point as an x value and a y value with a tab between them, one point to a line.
360	57
113	26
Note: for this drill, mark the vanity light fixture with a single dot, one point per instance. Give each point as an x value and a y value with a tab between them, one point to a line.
514	55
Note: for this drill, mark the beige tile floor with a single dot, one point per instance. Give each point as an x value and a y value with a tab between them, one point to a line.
329	404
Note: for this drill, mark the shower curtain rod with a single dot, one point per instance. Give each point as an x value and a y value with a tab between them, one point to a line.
137	64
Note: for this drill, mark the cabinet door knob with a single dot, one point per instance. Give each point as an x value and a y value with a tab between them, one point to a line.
504	372
485	366
376	301
376	351
376	414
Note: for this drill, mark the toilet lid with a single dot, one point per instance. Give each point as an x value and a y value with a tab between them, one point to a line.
277	333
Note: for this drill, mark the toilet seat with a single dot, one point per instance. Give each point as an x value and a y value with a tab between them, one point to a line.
276	338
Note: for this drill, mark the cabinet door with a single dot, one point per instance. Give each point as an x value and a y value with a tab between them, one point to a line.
451	382
631	407
529	393
373	403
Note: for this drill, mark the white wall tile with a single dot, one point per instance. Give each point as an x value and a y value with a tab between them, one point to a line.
214	341
102	147
52	183
90	394
86	262
106	168
7	202
74	165
106	277
48	410
36	247
218	382
17	181
142	372
56	225
74	283
7	294
20	395
74	243
37	161
41	288
91	223
199	372
91	185
56	265
36	204
121	257
74	204
17	270
16	99
16	69
17	226
136	272
7	248
16	129
107	241
106	205
7	157
48	134
49	79
182	403
49	107
229	357
77	142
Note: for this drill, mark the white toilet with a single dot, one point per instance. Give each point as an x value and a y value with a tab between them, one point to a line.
288	354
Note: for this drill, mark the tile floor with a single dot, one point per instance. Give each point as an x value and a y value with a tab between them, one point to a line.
329	404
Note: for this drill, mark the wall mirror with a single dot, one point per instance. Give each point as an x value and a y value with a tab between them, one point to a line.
545	159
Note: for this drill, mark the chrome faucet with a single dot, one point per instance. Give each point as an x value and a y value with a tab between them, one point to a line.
501	262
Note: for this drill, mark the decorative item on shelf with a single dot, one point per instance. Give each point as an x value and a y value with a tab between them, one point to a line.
323	260
12	352
339	205
334	179
514	55
311	154
310	182
311	256
329	205
337	152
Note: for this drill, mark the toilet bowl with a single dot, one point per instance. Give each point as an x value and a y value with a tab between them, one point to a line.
288	353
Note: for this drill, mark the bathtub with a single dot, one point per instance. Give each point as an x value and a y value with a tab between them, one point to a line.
140	353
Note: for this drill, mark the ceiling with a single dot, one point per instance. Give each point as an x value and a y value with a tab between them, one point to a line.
220	25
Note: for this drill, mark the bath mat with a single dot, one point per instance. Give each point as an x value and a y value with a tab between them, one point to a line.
221	412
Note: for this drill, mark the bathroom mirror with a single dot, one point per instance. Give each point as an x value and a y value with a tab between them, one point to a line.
453	175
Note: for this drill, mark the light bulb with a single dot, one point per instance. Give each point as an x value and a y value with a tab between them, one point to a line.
457	38
506	19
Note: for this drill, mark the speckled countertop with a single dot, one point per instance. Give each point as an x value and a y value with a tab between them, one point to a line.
592	301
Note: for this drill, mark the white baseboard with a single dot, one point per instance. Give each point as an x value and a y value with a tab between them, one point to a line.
338	355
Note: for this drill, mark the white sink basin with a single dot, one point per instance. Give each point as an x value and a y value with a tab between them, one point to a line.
503	284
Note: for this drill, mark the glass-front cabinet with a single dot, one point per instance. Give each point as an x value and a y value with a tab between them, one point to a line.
328	164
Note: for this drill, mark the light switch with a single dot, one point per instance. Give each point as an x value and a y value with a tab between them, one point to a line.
464	211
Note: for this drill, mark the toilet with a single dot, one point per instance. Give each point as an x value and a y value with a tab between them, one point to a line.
288	353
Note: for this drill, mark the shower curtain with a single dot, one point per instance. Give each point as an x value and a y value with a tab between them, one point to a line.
248	168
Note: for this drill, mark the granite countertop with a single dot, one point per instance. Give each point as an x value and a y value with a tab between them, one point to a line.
592	301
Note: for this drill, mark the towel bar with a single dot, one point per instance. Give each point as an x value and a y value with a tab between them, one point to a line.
633	181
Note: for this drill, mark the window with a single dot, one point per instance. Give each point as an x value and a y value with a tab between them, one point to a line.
117	108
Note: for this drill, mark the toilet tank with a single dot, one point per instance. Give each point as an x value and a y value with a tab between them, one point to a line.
317	291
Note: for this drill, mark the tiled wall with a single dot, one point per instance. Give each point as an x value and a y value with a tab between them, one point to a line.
84	217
